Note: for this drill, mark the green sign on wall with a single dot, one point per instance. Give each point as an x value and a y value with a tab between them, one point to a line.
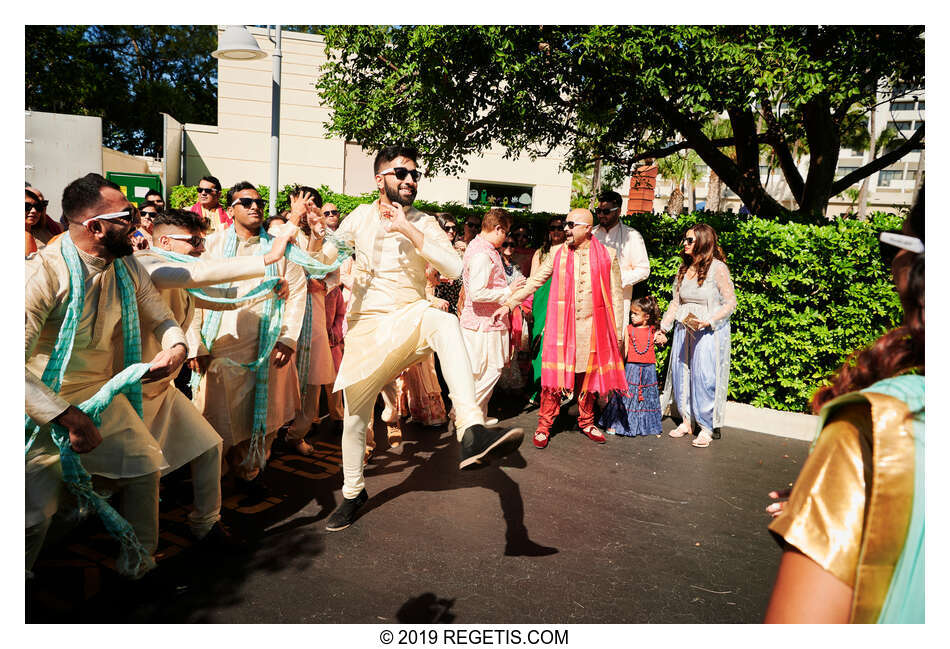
135	186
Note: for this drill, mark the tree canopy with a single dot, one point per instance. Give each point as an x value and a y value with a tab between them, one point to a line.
126	75
624	94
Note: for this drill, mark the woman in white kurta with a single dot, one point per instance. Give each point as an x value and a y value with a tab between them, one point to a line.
698	375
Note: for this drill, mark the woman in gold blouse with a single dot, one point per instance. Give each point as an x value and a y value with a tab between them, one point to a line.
853	528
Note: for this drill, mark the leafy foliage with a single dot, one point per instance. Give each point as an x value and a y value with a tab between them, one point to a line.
620	93
125	74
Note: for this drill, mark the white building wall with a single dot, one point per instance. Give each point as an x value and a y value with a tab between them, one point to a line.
238	147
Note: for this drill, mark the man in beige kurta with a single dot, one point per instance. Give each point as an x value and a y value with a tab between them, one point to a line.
225	395
184	435
577	243
392	325
121	454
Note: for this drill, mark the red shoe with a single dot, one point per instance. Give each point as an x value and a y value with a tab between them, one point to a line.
541	439
595	434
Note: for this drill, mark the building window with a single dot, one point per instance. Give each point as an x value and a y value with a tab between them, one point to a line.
910	174
902	105
886	176
920	105
903	125
495	195
841	172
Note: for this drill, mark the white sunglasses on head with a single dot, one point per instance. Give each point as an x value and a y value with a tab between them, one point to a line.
123	215
903	241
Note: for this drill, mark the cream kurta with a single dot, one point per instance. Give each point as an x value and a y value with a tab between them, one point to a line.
388	297
583	296
226	393
127	449
173	420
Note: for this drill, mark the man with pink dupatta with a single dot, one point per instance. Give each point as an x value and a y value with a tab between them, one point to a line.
584	326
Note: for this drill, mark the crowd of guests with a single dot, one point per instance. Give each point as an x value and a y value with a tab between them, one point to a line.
312	313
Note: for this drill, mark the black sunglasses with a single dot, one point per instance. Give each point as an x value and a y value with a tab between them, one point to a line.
39	205
247	202
508	244
605	210
570	224
402	172
688	240
449	227
206	190
332	213
473	224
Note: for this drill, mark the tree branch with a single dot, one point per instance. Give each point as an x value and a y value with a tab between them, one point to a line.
860	174
796	184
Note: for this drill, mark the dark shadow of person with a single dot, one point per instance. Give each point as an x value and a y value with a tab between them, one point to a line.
426	609
430	474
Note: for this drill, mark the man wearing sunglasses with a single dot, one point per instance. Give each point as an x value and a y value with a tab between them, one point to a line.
393	325
40	228
209	191
589	288
120	452
331	214
225	395
184	435
625	241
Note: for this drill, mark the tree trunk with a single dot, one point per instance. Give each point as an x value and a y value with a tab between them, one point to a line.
919	180
675	205
863	195
595	184
713	192
824	146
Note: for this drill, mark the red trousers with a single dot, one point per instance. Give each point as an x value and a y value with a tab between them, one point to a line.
551	406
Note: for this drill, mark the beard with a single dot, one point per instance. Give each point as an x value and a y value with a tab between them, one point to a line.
118	245
392	193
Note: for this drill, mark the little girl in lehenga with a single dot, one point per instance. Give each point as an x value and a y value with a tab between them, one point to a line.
638	413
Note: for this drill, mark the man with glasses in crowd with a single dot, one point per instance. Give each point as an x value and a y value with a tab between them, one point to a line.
120	453
625	241
583	326
393	325
155	198
486	288
209	191
184	435
40	228
473	225
226	393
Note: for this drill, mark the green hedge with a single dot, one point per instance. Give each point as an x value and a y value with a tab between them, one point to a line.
808	295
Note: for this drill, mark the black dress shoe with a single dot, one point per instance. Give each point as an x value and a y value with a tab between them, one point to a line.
345	514
255	491
481	445
219	539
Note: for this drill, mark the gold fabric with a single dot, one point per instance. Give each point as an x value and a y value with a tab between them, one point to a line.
225	394
583	296
850	506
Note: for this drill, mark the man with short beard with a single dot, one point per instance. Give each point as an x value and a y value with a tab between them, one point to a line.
184	435
226	393
120	453
625	241
393	325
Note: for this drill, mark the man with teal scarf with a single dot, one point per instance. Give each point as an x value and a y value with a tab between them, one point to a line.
90	298
248	387
186	283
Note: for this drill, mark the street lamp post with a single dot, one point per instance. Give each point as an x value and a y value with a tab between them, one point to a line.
237	44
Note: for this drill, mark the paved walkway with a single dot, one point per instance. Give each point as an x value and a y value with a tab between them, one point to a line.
638	530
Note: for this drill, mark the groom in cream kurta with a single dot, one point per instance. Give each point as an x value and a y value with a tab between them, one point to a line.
225	394
127	457
392	325
184	435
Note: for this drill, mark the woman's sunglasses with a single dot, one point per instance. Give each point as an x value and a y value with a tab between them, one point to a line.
508	244
688	240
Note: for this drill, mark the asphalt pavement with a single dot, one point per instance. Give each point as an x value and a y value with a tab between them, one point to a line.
637	530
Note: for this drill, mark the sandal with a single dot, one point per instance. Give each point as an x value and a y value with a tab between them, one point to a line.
303	447
394	434
540	439
682	429
702	440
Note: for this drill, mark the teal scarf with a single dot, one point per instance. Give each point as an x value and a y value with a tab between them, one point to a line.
266	286
127	382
